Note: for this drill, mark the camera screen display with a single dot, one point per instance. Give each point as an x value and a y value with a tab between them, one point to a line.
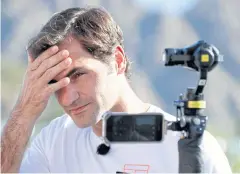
139	127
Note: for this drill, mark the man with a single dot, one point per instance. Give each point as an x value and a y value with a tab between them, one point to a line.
79	56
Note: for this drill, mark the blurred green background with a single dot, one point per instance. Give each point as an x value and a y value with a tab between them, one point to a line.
149	26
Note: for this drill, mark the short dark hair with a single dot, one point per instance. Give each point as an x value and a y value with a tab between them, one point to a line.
94	28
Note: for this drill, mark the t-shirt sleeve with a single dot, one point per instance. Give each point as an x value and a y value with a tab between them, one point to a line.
215	156
35	159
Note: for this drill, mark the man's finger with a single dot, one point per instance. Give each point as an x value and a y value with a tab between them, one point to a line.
56	86
52	62
54	71
45	55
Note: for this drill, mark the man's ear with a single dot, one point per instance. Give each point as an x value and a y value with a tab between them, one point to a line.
120	60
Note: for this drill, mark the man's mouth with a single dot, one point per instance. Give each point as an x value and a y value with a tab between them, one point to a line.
78	110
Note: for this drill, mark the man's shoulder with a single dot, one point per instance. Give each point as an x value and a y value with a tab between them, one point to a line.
58	127
60	123
167	116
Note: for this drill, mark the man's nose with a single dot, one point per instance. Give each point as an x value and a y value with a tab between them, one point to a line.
67	95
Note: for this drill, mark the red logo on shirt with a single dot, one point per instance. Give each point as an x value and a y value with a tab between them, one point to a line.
136	168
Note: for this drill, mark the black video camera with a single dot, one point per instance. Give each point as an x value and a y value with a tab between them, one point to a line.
151	127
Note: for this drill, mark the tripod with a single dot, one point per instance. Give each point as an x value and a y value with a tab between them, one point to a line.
191	122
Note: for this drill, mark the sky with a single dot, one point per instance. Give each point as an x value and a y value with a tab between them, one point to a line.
168	7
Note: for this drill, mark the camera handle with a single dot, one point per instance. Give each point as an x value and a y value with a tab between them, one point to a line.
192	123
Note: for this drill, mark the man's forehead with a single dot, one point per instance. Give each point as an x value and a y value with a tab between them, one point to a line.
67	41
71	44
74	47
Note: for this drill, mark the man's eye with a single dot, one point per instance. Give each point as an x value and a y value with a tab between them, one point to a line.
76	75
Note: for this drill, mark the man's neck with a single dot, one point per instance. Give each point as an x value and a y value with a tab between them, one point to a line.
128	102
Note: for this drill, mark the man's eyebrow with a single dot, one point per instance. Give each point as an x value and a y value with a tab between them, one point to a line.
73	71
68	74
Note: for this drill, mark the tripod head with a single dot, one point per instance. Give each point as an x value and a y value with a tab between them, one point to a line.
201	57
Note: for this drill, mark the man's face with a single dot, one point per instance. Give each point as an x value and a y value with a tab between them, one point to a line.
93	89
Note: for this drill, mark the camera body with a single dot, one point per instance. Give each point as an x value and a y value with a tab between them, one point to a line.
200	56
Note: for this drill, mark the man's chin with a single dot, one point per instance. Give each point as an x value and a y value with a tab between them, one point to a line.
83	120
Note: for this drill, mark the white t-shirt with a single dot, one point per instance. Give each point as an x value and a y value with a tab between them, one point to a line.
62	147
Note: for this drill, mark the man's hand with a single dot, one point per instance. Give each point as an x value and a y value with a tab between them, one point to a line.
36	91
31	103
